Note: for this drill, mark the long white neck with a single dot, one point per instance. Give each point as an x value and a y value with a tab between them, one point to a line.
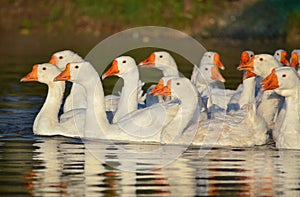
248	92
47	118
170	71
129	98
76	98
292	119
96	123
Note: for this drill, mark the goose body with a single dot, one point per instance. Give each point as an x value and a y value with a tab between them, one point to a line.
249	130
71	123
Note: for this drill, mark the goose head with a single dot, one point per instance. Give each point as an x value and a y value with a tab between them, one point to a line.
177	87
160	85
261	65
282	57
211	57
282	80
246	56
209	73
78	72
62	58
43	73
121	66
161	60
294	61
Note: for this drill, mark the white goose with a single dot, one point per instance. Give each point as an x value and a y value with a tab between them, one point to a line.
47	122
295	60
140	125
76	98
262	65
125	67
282	57
217	97
286	82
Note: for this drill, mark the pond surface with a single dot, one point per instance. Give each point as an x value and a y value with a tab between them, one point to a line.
59	166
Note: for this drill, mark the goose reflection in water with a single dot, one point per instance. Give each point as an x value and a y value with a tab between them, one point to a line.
68	167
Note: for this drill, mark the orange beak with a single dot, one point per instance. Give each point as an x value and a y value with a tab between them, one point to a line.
217	61
216	75
32	76
244	58
64	75
295	60
249	66
53	60
114	69
270	82
149	62
284	58
249	74
164	91
159	86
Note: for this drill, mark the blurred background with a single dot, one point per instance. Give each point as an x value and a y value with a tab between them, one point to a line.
32	30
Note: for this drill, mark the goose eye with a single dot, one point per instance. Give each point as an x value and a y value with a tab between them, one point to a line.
261	59
124	61
277	54
76	67
44	68
60	57
160	56
178	83
209	56
251	55
284	75
206	68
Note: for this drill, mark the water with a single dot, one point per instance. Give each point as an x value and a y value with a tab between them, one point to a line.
59	166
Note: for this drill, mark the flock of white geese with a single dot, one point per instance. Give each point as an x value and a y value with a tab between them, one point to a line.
177	110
